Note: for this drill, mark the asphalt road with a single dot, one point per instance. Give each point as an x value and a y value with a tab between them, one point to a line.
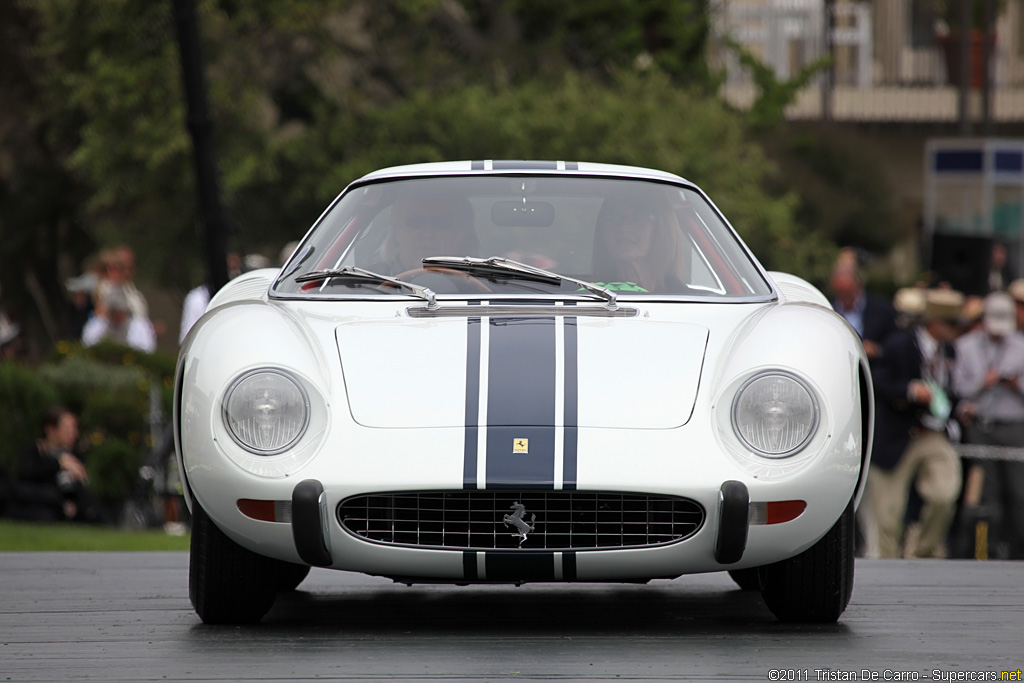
126	617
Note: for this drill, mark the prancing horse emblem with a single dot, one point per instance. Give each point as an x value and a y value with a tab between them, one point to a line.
516	520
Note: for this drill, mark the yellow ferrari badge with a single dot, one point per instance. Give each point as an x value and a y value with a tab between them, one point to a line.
521	446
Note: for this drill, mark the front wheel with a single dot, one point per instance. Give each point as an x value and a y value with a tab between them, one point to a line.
227	584
814	586
746	579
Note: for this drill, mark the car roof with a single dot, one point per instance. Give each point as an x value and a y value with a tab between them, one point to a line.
489	167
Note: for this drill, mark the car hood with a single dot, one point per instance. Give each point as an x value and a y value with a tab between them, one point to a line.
631	373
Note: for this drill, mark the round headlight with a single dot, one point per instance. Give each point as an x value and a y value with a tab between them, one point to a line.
775	414
266	411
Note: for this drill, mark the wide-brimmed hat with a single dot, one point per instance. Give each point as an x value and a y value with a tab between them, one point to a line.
943	304
909	301
1016	290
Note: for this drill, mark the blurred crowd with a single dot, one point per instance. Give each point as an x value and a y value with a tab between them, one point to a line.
50	481
948	368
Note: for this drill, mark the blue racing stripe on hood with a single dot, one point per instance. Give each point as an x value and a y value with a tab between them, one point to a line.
521	403
469	469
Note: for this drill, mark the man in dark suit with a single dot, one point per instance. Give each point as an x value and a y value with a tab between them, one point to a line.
911	448
872	317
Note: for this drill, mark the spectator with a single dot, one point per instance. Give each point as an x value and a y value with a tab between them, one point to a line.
870	316
52	483
114	321
874	321
912	447
118	268
987	376
998	268
974	310
198	298
909	304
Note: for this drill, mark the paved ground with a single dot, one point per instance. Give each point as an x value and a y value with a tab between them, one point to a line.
126	617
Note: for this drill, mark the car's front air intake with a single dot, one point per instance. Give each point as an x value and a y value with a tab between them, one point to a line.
527	520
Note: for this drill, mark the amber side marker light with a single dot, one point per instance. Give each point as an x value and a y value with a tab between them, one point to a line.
776	511
266	510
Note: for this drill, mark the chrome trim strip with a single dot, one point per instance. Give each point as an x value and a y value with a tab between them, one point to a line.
523	311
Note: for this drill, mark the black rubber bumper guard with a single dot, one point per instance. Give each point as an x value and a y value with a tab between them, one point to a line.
310	523
733	522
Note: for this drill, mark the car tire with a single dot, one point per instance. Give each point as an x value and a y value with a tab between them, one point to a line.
227	584
814	586
746	579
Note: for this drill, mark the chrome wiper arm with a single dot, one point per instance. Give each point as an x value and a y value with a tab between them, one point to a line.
504	265
360	273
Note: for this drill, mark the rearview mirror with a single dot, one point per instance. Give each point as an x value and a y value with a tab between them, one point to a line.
512	213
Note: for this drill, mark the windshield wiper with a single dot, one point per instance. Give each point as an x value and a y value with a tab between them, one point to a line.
499	264
359	273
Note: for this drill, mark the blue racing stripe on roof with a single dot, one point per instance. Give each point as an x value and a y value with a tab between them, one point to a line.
524	165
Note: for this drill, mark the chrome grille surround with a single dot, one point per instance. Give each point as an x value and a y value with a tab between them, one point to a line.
565	520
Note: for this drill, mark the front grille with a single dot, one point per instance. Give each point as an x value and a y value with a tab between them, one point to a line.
564	520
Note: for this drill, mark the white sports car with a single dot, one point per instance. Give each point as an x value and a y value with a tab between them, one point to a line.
517	371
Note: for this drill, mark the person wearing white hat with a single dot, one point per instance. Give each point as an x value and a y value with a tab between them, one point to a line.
988	376
911	446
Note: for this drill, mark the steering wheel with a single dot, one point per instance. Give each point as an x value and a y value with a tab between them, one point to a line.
471	284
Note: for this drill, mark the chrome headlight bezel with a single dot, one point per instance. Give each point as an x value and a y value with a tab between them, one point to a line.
798	383
299	432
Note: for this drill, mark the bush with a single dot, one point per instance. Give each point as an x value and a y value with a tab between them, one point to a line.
113	469
24	397
108	387
121	392
638	119
143	367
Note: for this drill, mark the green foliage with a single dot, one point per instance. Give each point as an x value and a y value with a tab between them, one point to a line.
24	397
108	387
843	194
640	119
307	95
113	469
607	34
774	95
90	389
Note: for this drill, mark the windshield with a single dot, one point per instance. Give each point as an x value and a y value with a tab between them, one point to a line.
636	238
